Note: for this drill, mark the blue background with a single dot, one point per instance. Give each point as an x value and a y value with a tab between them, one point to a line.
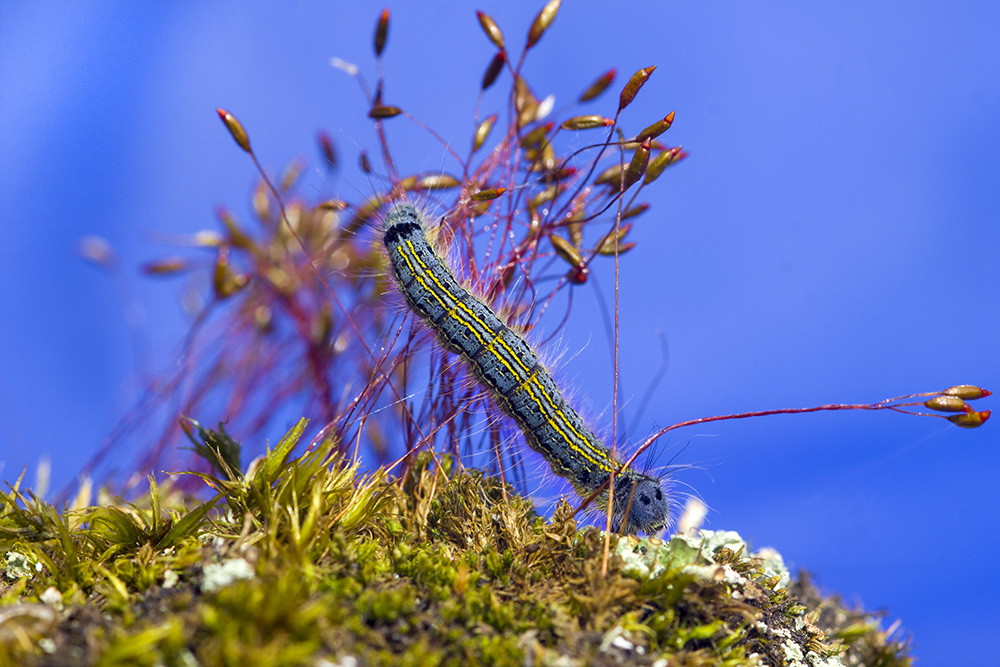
832	238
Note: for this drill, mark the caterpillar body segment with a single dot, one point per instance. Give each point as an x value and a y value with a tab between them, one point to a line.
503	361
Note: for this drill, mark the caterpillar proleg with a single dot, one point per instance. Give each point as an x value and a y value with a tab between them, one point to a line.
502	360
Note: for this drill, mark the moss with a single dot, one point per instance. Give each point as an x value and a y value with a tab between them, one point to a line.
302	560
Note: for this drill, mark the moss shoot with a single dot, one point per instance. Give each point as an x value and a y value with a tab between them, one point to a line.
303	561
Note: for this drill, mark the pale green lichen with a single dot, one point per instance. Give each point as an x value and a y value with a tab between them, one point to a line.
19	565
219	575
170	579
303	562
694	552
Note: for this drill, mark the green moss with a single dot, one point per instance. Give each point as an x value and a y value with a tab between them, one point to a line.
301	560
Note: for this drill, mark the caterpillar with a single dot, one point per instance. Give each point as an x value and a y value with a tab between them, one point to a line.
504	362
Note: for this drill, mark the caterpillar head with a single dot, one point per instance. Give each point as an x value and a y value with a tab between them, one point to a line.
640	503
401	219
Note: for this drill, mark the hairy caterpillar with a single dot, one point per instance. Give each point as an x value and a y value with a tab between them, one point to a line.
524	390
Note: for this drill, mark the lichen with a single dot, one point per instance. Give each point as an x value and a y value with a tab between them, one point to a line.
304	561
219	575
19	565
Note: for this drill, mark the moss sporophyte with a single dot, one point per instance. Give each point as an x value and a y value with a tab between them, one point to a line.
376	540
